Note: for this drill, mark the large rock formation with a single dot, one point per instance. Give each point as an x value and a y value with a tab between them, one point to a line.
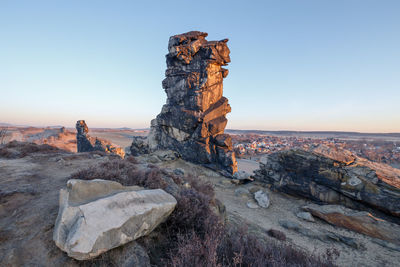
86	143
193	120
96	216
330	176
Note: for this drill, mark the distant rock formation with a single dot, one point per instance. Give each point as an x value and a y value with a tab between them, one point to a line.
330	175
193	120
86	143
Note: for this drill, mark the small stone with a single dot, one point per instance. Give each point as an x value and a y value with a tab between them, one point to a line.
289	225
241	175
262	199
179	171
305	216
354	181
242	192
252	205
154	159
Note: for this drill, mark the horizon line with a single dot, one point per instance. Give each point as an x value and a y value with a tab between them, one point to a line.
227	129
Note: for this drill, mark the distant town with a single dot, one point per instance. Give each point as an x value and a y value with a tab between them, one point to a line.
253	146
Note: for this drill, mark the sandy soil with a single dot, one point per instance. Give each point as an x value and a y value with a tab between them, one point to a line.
247	165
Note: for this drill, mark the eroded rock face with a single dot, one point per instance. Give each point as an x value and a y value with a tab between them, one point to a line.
193	120
86	143
358	221
325	236
333	179
96	216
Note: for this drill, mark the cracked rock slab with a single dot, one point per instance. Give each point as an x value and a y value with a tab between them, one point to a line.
96	216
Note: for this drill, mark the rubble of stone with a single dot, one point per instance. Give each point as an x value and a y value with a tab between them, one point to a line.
96	216
86	143
193	120
331	177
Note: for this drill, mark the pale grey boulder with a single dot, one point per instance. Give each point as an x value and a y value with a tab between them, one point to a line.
262	199
96	216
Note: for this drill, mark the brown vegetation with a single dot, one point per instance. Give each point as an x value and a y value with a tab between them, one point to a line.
16	149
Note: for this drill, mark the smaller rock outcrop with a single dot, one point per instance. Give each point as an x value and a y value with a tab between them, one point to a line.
86	143
96	216
358	221
334	177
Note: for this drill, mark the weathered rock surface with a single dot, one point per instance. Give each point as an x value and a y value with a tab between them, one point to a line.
241	175
322	236
252	205
305	216
262	198
96	216
333	178
193	120
86	143
242	192
358	221
139	146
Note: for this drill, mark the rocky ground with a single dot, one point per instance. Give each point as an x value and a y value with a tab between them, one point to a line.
285	207
29	189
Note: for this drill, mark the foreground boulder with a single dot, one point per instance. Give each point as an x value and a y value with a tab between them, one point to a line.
193	120
96	216
329	176
86	143
358	221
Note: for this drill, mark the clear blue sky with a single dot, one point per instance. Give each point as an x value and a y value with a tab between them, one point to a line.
296	65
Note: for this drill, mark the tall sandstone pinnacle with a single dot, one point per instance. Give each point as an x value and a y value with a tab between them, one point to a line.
193	120
86	143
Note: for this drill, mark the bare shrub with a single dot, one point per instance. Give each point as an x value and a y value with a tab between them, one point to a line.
15	149
277	234
3	135
6	153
